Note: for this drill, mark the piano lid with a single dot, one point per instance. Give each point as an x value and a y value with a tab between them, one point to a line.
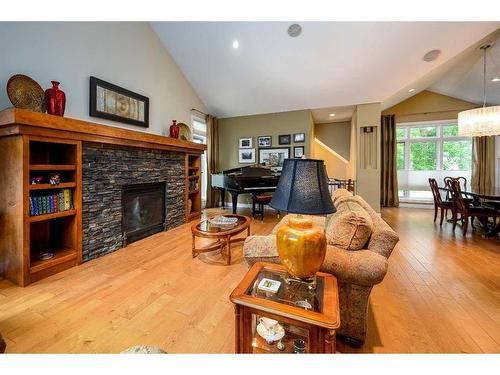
255	170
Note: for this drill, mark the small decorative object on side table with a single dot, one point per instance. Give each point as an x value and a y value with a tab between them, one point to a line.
295	319
222	231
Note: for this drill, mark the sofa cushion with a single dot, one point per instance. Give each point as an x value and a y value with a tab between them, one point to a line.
350	227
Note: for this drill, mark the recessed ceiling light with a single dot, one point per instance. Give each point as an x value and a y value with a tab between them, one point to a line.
236	44
432	55
411	90
332	114
294	30
496	79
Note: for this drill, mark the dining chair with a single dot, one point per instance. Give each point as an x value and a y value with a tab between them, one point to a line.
444	206
462	206
461	179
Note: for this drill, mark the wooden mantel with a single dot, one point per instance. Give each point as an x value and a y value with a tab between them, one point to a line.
14	121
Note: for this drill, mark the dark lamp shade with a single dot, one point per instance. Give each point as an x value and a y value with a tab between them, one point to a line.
303	188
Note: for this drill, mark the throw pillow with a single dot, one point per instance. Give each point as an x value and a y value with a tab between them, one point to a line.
350	227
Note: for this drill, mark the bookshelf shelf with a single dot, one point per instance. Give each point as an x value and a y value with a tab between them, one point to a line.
34	219
60	256
193	185
52	167
62	185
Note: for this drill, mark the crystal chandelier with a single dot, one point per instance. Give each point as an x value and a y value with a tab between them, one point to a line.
482	121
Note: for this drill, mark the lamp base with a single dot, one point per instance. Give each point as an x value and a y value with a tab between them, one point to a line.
301	247
310	282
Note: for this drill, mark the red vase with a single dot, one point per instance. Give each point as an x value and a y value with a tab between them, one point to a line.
55	100
174	129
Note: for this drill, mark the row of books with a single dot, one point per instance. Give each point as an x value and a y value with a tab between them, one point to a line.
50	204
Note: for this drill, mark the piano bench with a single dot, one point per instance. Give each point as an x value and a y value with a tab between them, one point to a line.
261	201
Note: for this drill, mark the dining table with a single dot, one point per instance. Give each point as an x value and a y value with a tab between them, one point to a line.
489	198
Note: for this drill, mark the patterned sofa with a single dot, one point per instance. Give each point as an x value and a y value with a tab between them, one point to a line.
359	245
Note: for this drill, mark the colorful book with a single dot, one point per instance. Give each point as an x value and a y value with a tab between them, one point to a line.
67	199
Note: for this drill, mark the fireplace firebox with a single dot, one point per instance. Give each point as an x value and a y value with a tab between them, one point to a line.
143	211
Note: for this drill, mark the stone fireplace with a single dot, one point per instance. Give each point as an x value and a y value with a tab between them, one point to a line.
143	211
109	172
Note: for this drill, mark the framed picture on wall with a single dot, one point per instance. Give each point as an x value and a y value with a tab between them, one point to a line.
115	103
284	139
274	156
265	141
299	138
246	155
298	152
245	142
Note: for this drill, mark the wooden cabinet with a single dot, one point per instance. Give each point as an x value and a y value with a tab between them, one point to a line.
304	319
30	230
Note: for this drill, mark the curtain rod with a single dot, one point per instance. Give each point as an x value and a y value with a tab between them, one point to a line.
196	110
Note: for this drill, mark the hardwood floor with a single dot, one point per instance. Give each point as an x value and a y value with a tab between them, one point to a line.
441	295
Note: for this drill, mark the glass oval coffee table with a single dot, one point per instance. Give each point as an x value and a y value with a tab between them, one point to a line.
221	234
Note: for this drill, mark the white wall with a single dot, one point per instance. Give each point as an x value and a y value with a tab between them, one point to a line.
128	54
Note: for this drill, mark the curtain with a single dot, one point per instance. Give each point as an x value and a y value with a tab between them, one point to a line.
483	164
388	169
212	159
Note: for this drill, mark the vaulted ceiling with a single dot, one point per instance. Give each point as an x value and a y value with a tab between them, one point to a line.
465	79
329	64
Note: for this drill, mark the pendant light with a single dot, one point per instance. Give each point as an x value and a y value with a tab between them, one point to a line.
482	121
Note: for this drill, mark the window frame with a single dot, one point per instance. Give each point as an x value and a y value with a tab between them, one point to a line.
439	139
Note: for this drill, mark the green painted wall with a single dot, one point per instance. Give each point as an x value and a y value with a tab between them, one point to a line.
233	128
273	124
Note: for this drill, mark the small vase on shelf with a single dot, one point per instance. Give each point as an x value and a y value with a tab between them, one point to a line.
55	100
174	129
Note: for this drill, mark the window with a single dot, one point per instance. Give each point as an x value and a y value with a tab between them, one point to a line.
400	155
423	156
425	150
199	127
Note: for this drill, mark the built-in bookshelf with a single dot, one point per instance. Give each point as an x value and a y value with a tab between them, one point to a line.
54	209
41	183
193	186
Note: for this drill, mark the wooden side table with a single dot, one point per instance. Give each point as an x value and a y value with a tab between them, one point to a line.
221	235
315	323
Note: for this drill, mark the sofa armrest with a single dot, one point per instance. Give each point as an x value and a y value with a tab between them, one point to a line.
260	249
360	267
383	239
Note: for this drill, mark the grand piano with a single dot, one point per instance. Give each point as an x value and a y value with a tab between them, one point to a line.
253	179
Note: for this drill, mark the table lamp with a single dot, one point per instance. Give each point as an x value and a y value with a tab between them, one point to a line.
302	189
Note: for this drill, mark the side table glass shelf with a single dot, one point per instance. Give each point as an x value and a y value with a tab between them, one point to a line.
294	319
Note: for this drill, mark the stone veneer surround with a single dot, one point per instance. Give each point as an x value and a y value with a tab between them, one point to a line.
105	169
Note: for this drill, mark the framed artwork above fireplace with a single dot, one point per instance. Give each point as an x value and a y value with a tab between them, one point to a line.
115	103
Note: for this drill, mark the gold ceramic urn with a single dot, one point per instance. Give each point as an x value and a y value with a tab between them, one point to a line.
301	246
